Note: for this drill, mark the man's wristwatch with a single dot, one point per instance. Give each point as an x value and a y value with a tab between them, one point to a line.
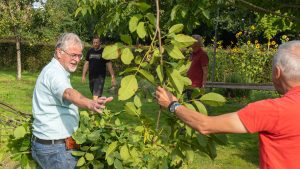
173	106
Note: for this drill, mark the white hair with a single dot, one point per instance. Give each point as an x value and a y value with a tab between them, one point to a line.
287	59
68	39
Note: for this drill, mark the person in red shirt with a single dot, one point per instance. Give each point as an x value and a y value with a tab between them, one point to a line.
276	120
199	64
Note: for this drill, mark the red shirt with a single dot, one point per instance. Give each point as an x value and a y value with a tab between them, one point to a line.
278	124
195	73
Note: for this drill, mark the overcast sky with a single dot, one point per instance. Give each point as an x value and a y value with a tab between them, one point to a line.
38	4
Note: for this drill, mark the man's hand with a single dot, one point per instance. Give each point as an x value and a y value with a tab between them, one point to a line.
83	79
164	97
99	104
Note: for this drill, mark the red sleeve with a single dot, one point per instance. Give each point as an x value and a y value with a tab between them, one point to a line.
259	116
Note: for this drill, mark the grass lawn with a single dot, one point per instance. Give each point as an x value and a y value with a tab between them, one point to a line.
240	153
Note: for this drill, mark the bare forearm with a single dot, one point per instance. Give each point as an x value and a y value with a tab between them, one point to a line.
110	69
77	98
227	123
85	69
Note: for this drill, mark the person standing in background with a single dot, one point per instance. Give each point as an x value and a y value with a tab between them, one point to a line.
96	66
198	70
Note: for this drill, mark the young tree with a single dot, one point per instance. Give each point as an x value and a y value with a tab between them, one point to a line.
15	21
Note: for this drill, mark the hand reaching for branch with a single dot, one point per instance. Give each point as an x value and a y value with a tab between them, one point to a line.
164	97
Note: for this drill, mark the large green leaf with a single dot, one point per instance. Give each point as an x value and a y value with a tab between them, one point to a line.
19	132
151	18
111	148
130	108
176	80
219	138
190	155
89	156
213	99
159	71
79	137
176	28
202	140
174	51
126	39
127	56
110	52
142	6
141	30
80	162
174	11
184	39
128	88
200	107
211	147
118	164
124	152
133	22
148	76
94	136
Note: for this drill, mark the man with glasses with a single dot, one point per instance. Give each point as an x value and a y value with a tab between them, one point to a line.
97	69
55	107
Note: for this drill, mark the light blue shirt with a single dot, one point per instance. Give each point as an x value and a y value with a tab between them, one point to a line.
54	117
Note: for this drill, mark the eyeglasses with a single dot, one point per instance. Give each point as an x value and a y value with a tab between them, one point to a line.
73	56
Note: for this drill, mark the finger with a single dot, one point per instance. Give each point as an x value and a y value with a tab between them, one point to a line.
109	99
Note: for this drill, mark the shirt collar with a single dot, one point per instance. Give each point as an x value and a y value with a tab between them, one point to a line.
293	90
57	63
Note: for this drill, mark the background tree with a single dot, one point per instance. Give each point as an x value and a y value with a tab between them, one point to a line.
15	22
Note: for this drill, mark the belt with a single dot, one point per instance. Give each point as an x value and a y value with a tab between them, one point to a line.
41	141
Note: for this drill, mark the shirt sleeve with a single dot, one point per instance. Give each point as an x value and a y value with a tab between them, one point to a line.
261	116
58	85
87	57
204	59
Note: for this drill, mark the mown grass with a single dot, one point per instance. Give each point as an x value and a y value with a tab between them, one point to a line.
241	152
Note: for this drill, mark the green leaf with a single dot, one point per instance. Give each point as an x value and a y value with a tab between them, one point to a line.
213	99
19	132
133	22
97	165
206	14
176	28
111	148
127	56
128	88
84	148
95	148
24	160
159	71
89	156
80	162
176	80
174	11
110	160
148	76
174	52
186	81
117	122
141	30
142	6
202	140
124	152
189	106
78	153
219	138
130	108
139	129
151	18
94	136
211	147
110	52
137	101
190	155
126	39
200	107
184	39
79	137
118	164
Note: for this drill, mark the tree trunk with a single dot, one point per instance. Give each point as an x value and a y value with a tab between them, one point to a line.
18	48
